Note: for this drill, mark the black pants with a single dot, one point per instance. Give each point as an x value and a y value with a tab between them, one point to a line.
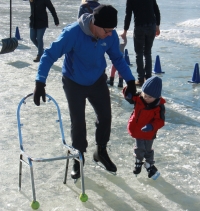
99	97
143	42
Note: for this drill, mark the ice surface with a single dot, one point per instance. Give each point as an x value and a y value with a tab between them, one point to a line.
177	147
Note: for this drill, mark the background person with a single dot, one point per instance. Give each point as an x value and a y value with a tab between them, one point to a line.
110	81
146	27
39	23
87	6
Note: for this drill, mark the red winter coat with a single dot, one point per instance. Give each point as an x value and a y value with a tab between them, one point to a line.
146	114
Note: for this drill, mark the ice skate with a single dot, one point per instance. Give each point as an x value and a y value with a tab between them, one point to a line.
101	155
75	173
138	167
153	172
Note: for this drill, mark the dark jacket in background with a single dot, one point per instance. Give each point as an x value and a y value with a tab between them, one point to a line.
87	7
39	17
145	12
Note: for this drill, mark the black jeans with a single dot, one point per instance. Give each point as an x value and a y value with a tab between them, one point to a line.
143	42
99	97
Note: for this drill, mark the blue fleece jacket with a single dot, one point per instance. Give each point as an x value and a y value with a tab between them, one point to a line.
84	60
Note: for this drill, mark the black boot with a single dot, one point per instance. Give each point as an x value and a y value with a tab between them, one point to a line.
120	84
101	155
138	166
37	59
110	81
75	174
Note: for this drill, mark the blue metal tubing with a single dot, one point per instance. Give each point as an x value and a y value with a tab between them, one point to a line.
72	153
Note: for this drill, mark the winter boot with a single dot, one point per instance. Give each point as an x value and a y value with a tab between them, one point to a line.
101	155
152	171
37	59
138	167
110	81
75	174
120	84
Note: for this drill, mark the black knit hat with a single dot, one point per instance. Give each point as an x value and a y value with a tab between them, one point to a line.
105	16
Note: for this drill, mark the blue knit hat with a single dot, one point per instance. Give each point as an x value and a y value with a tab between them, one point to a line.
153	87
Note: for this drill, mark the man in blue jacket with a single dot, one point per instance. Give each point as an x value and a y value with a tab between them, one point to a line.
84	44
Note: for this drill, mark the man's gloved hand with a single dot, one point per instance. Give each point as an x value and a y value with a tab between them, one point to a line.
130	89
39	92
129	98
147	128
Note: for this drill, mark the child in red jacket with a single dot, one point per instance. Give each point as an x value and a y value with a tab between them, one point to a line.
148	116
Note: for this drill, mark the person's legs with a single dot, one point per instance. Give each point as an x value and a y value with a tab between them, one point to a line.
120	84
139	39
139	154
139	149
40	34
76	97
99	97
150	32
112	76
33	36
113	70
149	161
36	36
149	152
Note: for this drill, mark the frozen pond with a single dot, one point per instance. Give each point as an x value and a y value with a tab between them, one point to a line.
177	148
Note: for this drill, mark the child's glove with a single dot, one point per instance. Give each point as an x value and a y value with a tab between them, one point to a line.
147	128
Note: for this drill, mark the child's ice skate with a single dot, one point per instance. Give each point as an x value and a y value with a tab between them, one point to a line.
153	172
138	167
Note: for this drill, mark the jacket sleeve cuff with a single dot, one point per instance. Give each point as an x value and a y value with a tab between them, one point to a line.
40	78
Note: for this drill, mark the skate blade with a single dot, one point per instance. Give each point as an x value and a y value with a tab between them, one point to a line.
75	181
156	175
103	167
